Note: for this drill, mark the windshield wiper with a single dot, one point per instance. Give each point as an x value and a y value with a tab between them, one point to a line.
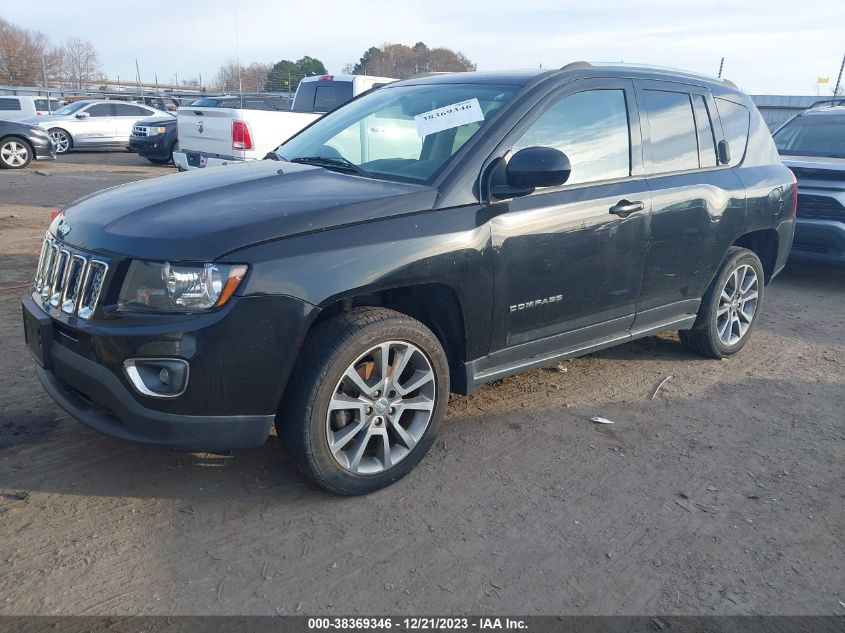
332	162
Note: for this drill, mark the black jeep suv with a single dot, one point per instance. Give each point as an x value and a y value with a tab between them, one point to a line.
425	238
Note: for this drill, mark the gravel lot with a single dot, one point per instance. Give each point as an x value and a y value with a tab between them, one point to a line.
724	494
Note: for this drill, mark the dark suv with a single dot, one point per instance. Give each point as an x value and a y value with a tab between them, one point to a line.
425	238
812	145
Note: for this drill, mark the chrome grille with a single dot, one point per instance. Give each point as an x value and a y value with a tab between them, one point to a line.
69	280
140	130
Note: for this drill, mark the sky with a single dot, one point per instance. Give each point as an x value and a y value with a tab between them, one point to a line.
773	47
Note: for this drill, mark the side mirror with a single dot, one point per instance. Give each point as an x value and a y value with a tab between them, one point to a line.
724	152
83	115
533	167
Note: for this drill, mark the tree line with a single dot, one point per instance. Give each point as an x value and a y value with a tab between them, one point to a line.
388	60
27	58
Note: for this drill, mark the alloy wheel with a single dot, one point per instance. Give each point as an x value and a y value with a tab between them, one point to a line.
14	154
737	304
61	141
381	407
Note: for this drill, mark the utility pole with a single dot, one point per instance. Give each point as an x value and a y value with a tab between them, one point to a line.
177	80
46	85
156	76
200	82
138	76
839	78
721	65
289	86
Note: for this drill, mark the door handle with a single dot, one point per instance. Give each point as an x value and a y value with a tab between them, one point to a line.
625	207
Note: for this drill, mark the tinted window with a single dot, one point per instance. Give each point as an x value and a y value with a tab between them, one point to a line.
704	126
100	110
304	99
815	135
42	106
331	94
735	120
591	128
7	104
126	109
674	142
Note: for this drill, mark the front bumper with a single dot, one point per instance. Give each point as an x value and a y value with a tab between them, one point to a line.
156	146
819	241
186	160
240	359
44	150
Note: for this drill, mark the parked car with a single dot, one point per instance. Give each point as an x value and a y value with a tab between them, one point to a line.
812	145
20	143
222	130
343	296
155	139
93	123
18	107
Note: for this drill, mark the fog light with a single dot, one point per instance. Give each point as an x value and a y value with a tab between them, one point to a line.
157	377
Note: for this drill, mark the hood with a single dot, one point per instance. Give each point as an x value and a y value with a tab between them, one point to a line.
203	214
813	162
43	121
170	120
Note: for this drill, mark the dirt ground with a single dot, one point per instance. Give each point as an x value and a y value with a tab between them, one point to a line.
724	494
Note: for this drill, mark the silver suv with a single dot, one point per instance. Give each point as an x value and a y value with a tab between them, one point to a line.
812	145
93	123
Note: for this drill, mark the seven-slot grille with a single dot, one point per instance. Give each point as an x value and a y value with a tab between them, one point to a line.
140	130
820	207
69	280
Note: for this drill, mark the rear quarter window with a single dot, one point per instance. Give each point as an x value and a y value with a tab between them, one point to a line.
7	104
735	122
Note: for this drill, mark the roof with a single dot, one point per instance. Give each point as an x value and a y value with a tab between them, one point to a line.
825	111
576	70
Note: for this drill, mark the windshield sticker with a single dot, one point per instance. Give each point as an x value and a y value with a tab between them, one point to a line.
447	117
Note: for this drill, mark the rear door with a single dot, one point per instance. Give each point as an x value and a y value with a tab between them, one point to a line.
697	205
569	265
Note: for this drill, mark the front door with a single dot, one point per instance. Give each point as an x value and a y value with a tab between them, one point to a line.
569	260
97	129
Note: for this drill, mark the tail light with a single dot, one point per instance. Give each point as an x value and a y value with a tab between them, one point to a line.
327	78
794	195
241	136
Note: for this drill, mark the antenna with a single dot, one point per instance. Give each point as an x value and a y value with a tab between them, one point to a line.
238	61
721	65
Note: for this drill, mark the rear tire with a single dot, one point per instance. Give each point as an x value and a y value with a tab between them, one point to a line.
348	422
730	307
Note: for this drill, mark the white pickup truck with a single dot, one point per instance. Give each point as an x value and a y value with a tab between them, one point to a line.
220	130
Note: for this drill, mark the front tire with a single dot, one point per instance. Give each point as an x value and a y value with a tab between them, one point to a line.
365	401
730	307
62	141
15	153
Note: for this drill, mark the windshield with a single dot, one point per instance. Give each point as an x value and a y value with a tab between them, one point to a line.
817	135
71	107
405	133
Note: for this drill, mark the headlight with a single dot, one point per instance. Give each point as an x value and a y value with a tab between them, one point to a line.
178	288
155	131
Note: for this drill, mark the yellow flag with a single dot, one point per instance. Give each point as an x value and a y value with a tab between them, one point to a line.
823	80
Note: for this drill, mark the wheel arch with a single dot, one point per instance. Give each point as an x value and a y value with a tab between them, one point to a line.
435	305
59	127
764	244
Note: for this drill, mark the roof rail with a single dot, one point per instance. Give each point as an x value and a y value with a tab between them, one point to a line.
828	102
582	65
